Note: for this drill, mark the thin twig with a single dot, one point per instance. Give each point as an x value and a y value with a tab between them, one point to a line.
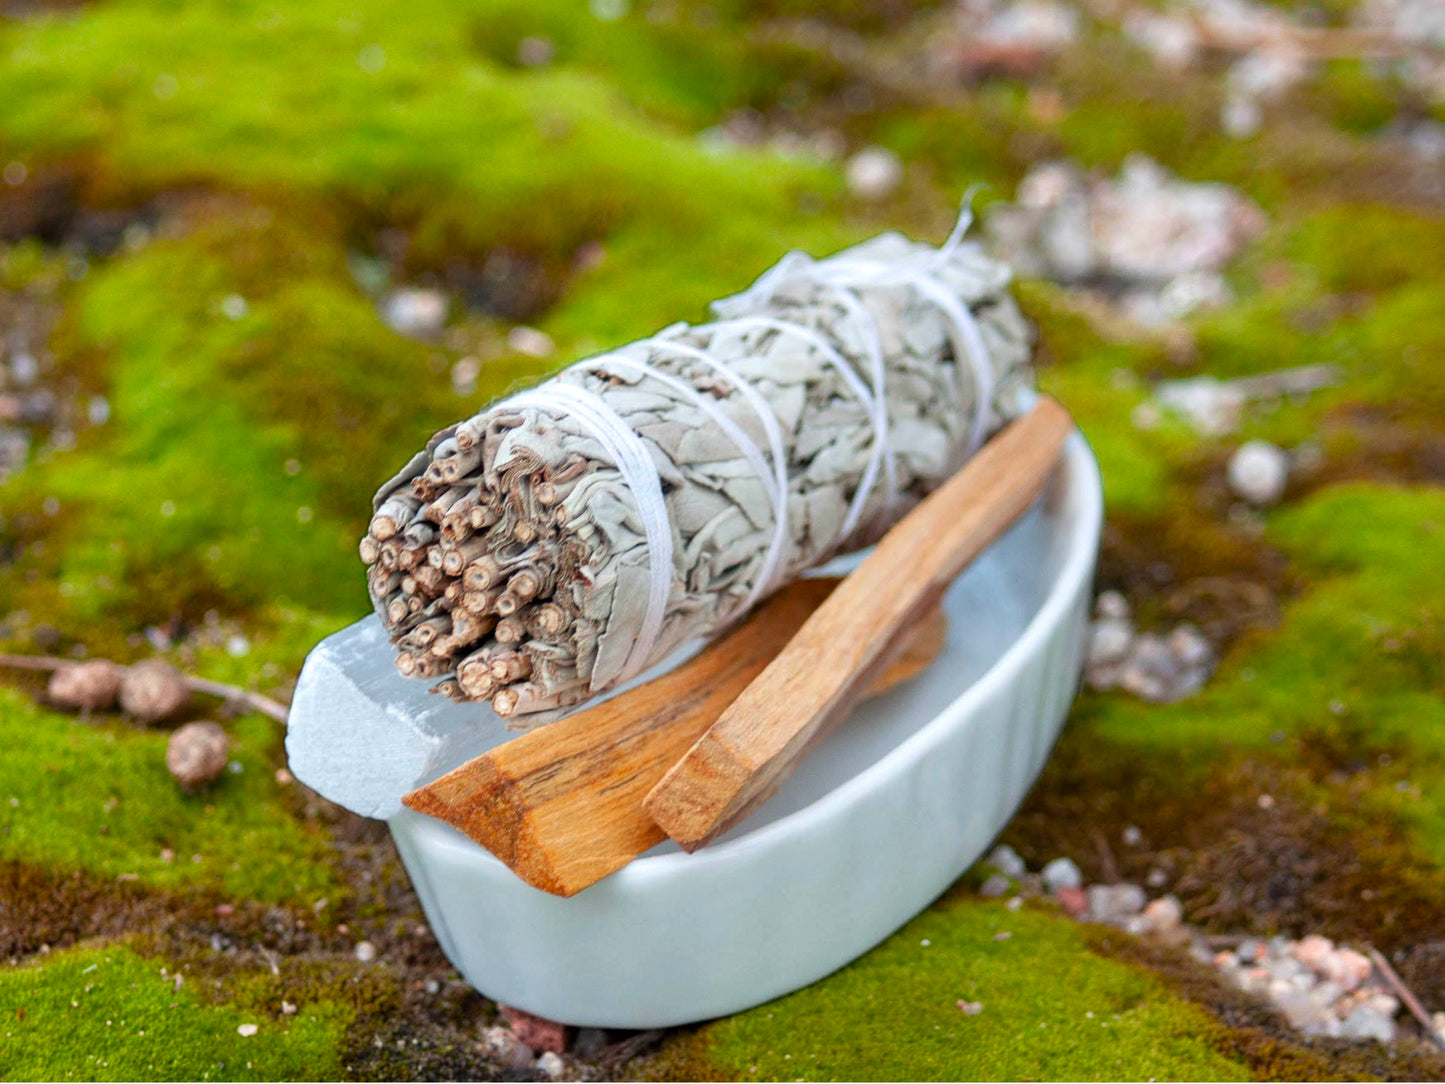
237	695
620	1053
1106	857
232	694
42	663
1407	996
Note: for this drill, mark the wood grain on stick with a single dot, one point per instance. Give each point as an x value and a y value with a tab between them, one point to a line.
562	805
818	677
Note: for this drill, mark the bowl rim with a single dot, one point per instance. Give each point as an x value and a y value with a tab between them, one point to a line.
1081	513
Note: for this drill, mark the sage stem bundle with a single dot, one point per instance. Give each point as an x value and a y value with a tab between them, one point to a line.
565	538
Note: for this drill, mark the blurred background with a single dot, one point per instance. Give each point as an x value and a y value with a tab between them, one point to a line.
252	255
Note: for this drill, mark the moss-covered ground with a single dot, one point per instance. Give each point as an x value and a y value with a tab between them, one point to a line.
203	205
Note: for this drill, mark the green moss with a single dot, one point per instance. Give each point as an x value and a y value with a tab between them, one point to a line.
1101	381
1357	99
238	464
1367	247
1359	654
96	796
1051	1010
396	110
108	1014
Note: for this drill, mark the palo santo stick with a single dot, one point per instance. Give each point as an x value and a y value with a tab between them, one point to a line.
815	681
562	805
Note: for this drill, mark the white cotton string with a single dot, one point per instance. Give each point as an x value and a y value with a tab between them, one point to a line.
875	407
772	567
640	477
974	348
873	348
777	493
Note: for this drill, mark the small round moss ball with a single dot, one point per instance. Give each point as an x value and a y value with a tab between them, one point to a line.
86	686
153	691
197	754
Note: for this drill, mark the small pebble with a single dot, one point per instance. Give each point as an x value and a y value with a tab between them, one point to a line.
1112	604
24	368
590	1042
1115	903
88	686
365	951
417	313
995	887
247	1030
874	174
1062	873
153	691
1132	836
1258	473
1074	900
1007	861
464	375
970	1008
530	341
1151	672
551	1064
535	52
197	754
1313	951
1109	640
503	1045
288	1009
1365	1022
537	1031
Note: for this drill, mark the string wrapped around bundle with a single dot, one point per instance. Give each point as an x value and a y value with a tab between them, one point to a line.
565	538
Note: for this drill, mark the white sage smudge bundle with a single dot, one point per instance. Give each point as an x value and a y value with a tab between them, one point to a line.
567	537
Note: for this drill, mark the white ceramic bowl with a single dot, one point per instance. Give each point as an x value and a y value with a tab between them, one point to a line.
878	821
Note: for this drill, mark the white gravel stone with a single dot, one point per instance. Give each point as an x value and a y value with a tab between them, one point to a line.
24	368
1151	670
1044	25
1211	406
365	951
1111	604
1115	903
1163	915
997	885
1062	873
1303	1011
1364	1022
530	341
874	174
1171	40
1348	968
503	1045
415	312
551	1065
1109	641
1259	472
1241	117
1007	861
